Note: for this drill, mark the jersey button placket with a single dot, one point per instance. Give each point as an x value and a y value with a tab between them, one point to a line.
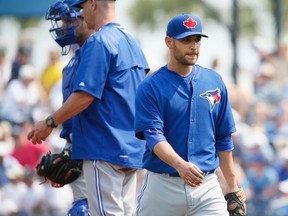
191	129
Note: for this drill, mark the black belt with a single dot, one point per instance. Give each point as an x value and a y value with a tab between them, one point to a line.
177	174
173	174
209	172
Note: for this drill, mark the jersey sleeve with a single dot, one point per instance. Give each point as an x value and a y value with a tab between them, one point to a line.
147	114
93	69
224	144
225	123
153	136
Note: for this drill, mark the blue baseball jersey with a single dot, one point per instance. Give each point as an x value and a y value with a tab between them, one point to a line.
111	68
68	76
193	114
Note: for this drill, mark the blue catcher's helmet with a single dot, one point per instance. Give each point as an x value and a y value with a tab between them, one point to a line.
79	208
60	13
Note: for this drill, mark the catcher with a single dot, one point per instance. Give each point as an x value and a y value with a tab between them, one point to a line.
68	27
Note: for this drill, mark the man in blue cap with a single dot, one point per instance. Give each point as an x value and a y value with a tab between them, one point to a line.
183	113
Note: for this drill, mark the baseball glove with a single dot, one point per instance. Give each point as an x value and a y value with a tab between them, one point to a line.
236	203
59	168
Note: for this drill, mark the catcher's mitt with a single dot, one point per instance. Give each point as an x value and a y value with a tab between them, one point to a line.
236	203
59	168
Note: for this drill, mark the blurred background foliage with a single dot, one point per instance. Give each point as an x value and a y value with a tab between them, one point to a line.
152	13
241	18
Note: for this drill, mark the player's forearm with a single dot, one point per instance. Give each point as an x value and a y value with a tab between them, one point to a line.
76	103
167	154
228	170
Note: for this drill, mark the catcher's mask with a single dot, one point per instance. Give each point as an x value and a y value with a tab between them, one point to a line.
64	20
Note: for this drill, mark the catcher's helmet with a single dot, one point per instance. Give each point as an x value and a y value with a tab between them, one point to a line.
64	35
79	208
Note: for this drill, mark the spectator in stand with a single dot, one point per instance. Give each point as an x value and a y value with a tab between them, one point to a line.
282	166
6	161
33	199
279	58
6	133
52	72
22	58
279	206
25	152
265	86
263	180
22	96
13	192
277	126
57	201
5	72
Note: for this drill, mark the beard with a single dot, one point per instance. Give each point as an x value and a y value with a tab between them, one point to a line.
188	58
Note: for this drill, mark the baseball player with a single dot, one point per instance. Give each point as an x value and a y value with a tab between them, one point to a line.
73	30
183	113
102	106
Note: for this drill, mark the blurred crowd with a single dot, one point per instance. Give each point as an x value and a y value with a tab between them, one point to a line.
26	96
261	140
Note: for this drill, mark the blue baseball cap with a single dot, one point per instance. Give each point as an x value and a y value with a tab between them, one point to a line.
184	25
75	3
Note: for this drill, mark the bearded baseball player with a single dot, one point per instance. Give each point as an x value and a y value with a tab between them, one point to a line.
183	113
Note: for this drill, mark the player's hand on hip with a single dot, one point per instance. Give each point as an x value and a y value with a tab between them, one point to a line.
191	174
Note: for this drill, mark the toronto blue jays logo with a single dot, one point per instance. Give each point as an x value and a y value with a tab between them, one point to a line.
212	96
190	23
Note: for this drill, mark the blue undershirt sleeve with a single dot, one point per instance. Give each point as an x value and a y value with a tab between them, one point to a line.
224	144
153	136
